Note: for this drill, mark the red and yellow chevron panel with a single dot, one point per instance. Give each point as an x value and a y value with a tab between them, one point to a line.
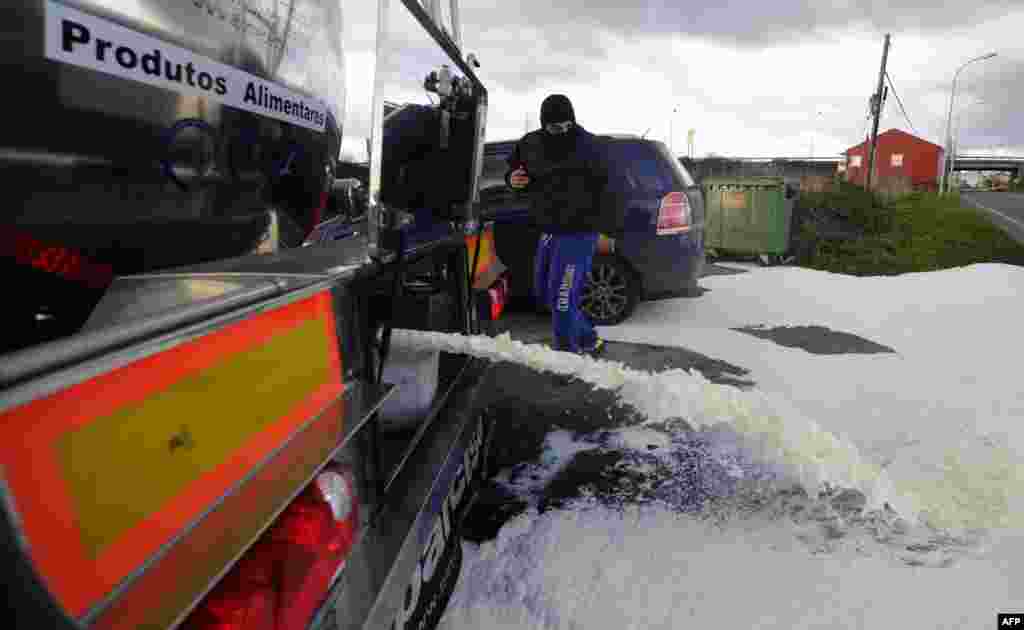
488	266
105	473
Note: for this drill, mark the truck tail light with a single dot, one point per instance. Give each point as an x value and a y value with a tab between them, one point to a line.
279	583
245	598
499	296
490	303
54	258
674	214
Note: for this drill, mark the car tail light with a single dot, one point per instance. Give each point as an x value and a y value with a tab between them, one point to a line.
280	582
605	245
674	214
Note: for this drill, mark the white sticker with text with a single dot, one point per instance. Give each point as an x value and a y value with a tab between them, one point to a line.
81	39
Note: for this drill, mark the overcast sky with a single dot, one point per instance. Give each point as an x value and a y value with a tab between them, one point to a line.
753	78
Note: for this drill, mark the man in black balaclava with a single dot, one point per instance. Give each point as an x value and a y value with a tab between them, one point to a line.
564	170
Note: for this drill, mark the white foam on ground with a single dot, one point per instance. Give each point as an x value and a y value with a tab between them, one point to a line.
941	416
781	434
934	430
601	568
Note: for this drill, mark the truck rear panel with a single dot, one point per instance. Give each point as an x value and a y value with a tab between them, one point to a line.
180	376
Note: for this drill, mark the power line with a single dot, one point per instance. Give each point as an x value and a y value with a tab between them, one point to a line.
900	101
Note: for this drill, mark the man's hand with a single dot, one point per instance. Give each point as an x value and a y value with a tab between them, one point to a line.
519	179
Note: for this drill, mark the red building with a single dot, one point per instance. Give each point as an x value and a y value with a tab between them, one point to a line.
898	155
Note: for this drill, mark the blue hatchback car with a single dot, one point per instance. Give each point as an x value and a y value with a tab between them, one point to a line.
660	253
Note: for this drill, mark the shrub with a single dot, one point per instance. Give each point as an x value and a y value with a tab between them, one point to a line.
919	232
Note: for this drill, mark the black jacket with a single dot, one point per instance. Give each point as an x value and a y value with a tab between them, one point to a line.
570	193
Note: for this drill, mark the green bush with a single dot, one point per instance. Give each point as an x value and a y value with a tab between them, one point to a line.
919	232
863	209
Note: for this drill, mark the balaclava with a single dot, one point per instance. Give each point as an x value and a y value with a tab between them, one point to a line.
558	108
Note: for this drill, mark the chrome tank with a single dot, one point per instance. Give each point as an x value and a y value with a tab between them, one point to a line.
127	142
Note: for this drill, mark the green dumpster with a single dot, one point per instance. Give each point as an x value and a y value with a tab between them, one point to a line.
748	215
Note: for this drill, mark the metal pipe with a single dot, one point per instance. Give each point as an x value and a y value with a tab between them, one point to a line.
456	23
373	210
478	157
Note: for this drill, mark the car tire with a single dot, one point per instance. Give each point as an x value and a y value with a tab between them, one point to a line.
612	291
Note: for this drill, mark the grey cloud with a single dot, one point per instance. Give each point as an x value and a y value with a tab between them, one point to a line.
742	23
1000	119
1000	84
531	57
528	45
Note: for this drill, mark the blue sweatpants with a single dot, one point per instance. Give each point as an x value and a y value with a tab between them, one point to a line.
560	274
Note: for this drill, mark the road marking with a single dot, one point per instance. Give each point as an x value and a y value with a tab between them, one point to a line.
996	212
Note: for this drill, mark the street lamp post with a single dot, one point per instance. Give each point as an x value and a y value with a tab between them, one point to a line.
961	122
947	167
671	133
817	121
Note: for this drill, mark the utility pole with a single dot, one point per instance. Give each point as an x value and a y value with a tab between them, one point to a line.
876	109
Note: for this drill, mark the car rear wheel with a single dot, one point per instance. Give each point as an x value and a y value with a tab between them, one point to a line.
612	291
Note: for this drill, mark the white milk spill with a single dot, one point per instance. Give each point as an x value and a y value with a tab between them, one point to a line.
811	456
720	507
789	446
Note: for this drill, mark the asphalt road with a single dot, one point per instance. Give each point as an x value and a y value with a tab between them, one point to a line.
1005	210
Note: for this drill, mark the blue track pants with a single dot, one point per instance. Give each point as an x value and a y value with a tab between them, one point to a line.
560	274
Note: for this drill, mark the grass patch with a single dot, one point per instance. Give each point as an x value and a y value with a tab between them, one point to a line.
919	232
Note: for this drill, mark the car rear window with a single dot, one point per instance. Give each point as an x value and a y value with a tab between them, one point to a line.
494	169
643	167
493	191
677	167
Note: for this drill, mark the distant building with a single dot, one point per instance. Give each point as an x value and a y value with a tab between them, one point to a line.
898	155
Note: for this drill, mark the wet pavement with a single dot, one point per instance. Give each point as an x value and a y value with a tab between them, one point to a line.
816	339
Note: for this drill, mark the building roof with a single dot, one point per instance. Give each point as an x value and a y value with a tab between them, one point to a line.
893	132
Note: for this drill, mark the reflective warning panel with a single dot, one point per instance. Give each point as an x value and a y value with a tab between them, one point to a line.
195	447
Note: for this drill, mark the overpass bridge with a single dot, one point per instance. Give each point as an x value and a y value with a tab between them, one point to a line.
801	166
998	163
754	166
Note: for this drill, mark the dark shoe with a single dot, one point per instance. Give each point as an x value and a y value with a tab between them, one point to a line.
596	349
559	346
